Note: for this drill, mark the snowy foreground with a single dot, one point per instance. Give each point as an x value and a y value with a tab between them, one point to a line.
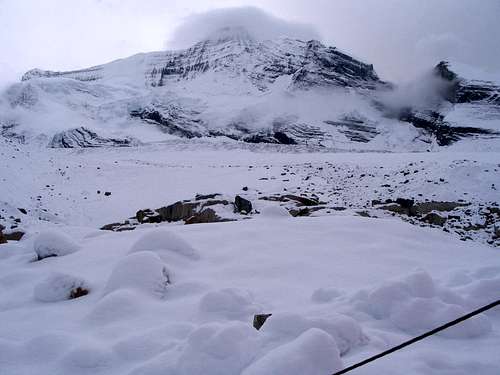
180	299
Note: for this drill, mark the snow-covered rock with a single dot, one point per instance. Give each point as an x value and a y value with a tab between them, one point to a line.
314	352
164	241
60	287
52	243
143	271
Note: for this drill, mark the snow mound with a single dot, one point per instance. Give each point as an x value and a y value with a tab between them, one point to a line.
143	271
161	239
85	358
60	287
116	306
313	353
344	330
483	292
230	303
218	349
52	243
415	305
423	314
325	295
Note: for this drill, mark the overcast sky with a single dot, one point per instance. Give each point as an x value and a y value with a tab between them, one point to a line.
400	37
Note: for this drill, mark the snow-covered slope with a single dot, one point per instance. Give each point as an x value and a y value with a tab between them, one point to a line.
229	85
167	298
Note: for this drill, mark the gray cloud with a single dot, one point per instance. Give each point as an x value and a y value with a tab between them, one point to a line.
260	24
402	38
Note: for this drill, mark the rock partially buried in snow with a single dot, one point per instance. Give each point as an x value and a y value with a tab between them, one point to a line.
165	240
60	287
312	353
242	205
143	271
53	244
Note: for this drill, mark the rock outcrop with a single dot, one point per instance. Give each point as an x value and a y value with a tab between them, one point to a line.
82	137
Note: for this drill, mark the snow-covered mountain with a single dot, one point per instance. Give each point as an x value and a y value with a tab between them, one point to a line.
234	87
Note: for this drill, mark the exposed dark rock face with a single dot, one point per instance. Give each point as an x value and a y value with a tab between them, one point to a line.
468	91
242	205
455	90
355	128
327	66
173	120
82	137
433	123
9	131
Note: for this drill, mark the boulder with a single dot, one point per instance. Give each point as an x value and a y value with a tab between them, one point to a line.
178	211
205	216
14	236
242	205
2	237
259	320
148	216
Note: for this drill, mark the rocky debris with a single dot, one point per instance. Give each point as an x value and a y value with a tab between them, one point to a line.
200	197
173	119
299	200
259	320
300	212
8	131
119	227
410	208
434	219
2	238
242	205
178	211
197	211
148	216
207	215
82	137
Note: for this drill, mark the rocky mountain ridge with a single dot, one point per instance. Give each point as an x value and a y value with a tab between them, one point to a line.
283	91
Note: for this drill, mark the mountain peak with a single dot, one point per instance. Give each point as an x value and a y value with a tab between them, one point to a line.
230	33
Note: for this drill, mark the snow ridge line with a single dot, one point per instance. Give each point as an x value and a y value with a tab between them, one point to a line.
418	338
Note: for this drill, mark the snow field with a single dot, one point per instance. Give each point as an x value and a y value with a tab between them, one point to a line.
153	308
